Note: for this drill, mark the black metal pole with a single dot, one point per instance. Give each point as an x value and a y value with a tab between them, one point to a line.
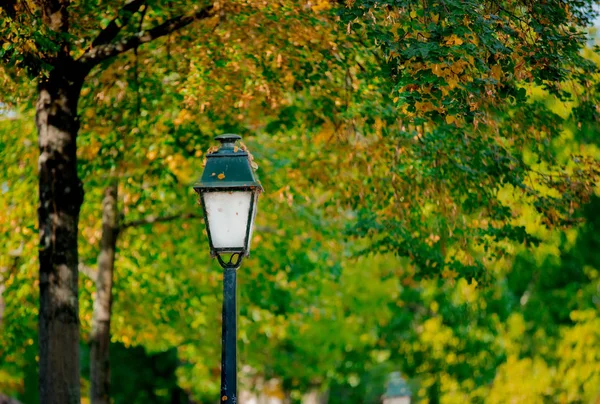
229	347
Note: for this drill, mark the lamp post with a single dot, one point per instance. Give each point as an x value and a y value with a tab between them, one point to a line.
397	391
228	192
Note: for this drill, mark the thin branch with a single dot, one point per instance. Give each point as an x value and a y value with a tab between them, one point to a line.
9	7
16	256
113	28
153	219
138	101
88	271
32	63
102	52
8	400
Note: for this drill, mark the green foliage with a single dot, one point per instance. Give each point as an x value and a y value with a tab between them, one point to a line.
430	172
142	377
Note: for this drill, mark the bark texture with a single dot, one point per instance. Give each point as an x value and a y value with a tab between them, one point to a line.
8	400
4	273
60	198
100	337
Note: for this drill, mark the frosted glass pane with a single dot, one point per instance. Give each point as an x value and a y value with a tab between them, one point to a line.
255	198
227	214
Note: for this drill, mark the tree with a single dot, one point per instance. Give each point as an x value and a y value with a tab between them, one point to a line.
380	120
55	56
462	122
56	59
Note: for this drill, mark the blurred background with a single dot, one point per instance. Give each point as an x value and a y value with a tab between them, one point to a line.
398	250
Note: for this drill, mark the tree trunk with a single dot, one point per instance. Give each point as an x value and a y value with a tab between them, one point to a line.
315	396
2	304
60	199
8	400
16	255
100	337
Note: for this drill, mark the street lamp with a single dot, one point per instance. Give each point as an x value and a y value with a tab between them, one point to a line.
228	194
397	391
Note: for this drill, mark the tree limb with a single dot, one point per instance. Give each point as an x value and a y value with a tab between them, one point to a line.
88	271
8	400
153	219
19	56
16	255
9	7
55	14
113	28
102	52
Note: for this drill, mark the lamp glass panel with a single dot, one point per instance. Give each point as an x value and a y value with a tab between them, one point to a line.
227	216
254	201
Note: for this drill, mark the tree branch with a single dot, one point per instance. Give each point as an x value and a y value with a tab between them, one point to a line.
55	14
8	400
153	219
113	28
19	55
93	273
88	271
9	8
105	51
16	255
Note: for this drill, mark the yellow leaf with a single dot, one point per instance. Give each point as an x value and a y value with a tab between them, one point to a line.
457	68
221	176
182	117
452	82
322	5
449	274
437	70
496	72
450	119
424	106
235	149
454	40
413	14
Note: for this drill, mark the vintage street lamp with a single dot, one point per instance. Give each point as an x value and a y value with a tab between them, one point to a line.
397	391
228	194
